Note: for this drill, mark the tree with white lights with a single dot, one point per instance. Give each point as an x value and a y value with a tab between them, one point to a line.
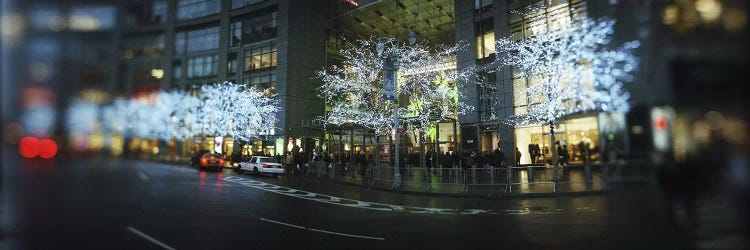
573	70
176	112
427	78
233	109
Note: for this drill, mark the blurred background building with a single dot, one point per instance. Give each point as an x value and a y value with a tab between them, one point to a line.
693	56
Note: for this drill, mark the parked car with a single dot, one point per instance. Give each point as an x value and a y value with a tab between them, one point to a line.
262	165
236	160
209	160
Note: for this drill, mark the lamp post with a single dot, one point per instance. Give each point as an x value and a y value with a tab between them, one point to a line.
390	93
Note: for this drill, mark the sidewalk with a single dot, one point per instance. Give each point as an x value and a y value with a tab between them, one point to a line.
474	182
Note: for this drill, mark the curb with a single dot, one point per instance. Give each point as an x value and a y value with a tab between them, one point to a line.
461	195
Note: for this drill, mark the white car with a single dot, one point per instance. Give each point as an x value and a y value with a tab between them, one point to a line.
261	165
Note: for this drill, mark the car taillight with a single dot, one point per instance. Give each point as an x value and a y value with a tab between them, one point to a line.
281	166
204	161
265	165
221	162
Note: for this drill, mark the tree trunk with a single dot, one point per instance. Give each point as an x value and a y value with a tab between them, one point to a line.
421	149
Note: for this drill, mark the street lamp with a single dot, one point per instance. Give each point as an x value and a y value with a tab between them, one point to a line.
390	67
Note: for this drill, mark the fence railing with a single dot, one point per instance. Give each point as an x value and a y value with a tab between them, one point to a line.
484	180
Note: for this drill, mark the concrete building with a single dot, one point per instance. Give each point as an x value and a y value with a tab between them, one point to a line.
272	45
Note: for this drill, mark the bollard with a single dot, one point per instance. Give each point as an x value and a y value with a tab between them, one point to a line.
554	179
492	175
530	176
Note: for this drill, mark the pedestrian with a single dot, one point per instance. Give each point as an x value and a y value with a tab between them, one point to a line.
362	161
518	157
289	163
429	160
566	154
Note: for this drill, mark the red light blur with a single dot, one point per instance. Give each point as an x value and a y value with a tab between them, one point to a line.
48	148
661	123
29	147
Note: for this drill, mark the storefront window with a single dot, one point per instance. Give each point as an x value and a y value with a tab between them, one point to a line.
580	136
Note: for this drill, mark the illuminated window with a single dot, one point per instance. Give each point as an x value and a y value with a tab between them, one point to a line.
485	45
264	81
260	58
485	31
530	19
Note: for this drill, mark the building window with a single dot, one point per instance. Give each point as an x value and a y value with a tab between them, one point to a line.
232	63
265	81
242	3
260	58
256	28
176	69
140	13
527	20
483	5
485	30
488	95
91	18
235	34
197	40
144	73
486	45
187	9
203	66
144	45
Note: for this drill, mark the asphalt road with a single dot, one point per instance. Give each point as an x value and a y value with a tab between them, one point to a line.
107	203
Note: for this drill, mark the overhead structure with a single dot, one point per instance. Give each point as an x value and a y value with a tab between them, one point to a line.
430	20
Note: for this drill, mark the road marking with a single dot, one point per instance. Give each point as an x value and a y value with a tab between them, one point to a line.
322	231
348	235
149	238
143	176
387	207
282	223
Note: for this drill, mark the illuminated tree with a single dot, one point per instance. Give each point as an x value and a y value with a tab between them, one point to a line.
175	113
572	70
233	109
427	78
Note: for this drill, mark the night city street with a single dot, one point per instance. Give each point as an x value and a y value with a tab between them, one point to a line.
374	124
93	203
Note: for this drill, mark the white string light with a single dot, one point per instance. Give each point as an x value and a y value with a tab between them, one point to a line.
427	77
574	68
